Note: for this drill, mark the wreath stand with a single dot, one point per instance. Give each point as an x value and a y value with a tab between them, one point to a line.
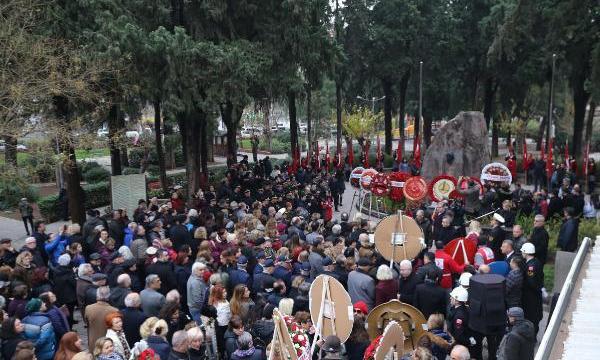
326	300
392	340
282	342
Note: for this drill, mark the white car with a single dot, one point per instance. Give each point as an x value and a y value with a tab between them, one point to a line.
102	133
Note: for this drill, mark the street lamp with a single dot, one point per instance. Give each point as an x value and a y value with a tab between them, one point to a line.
372	100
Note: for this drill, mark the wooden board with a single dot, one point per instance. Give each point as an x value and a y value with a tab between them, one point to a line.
282	342
393	339
337	310
392	227
410	319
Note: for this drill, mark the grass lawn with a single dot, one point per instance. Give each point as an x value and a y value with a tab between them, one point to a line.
245	144
21	158
549	277
83	153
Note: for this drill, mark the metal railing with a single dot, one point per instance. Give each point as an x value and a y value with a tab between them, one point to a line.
547	343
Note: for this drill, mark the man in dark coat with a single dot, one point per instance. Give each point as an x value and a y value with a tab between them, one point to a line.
428	264
115	228
569	231
497	236
39	233
133	317
425	225
429	297
179	233
539	238
532	286
240	275
519	342
407	282
165	271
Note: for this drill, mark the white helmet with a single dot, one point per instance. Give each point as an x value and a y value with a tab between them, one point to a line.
460	294
528	248
464	279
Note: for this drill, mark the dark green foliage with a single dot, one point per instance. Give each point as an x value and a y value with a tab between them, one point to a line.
96	175
96	195
13	188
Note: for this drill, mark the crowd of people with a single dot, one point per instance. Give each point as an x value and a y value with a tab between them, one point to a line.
200	279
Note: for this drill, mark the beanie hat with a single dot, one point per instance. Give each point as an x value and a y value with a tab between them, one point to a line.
33	305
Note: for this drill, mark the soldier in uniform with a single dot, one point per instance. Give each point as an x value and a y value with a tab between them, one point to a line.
458	317
532	286
497	235
265	276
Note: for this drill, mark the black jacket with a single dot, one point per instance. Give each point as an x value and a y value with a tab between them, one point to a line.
117	296
430	299
407	288
423	270
132	320
458	325
66	285
263	330
533	281
179	235
166	273
539	238
519	342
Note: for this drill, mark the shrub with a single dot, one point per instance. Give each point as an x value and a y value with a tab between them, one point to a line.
135	157
153	170
86	166
130	171
96	195
278	147
13	188
96	175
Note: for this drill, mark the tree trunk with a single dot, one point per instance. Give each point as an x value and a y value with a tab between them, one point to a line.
589	126
580	100
267	123
75	194
204	139
402	111
181	121
123	150
495	138
387	115
338	115
159	146
231	121
540	134
293	121
115	133
488	101
10	150
308	122
192	164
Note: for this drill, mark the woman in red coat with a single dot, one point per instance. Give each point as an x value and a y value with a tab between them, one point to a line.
387	287
177	203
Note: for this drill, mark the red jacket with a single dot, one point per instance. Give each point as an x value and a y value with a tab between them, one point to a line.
445	262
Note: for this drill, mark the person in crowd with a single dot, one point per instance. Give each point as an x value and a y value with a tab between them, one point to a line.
70	345
104	349
569	231
533	281
197	347
57	317
450	267
118	293
16	307
430	298
39	329
520	341
11	334
358	341
152	299
66	283
440	339
234	330
539	238
197	291
497	235
387	287
114	325
514	282
361	286
133	318
458	319
245	349
95	315
157	339
460	352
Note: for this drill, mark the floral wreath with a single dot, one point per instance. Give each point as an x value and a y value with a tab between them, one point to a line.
372	348
298	335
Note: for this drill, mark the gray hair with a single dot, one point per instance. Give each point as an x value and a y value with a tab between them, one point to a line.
540	217
173	295
180	338
198	266
102	293
124	279
83	269
195	333
460	352
244	341
126	252
150	279
509	242
133	300
384	273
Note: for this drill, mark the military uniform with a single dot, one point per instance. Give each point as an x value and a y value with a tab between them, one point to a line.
532	292
458	325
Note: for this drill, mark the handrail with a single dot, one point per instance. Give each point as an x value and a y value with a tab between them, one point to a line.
562	304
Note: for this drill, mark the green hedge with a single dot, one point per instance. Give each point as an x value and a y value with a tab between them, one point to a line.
12	188
96	195
96	175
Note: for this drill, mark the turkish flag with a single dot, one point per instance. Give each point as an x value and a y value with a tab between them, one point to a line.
417	153
461	250
327	159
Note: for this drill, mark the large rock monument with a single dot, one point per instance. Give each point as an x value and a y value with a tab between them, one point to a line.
459	148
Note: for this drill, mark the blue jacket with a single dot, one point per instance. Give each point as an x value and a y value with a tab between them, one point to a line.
59	322
159	345
57	247
128	238
238	276
39	330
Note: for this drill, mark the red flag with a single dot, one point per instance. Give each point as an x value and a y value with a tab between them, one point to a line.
399	152
417	153
366	154
378	156
525	160
338	161
567	154
350	150
549	166
542	151
327	159
586	159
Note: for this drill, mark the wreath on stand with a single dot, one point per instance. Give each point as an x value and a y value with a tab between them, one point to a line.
372	348
298	335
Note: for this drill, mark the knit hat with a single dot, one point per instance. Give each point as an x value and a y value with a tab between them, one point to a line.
33	305
64	260
516	312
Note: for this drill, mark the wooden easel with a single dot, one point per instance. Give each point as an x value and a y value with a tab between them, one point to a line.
282	342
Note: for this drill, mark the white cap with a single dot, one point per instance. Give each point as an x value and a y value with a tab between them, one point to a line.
499	218
460	294
528	248
64	260
465	278
151	250
281	211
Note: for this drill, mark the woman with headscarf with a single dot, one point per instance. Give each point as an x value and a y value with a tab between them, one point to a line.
11	334
69	346
114	325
